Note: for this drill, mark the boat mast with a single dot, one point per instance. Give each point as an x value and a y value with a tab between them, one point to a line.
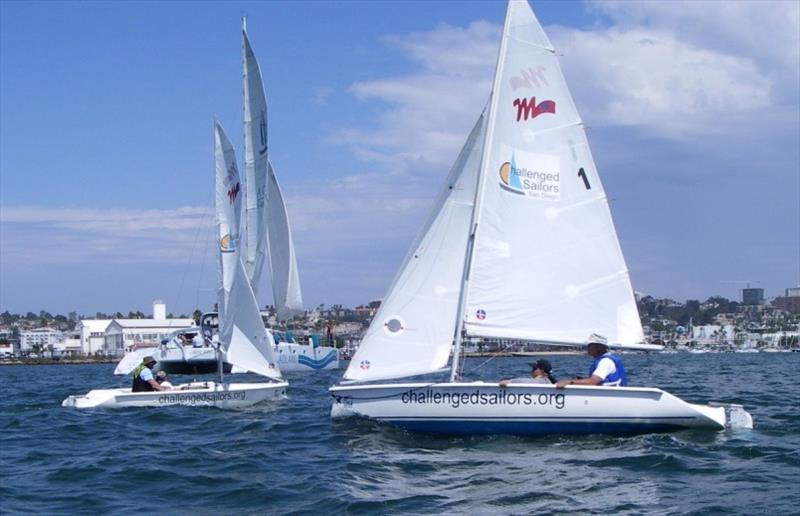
220	364
473	226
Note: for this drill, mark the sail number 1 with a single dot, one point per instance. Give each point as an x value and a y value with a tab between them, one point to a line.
582	175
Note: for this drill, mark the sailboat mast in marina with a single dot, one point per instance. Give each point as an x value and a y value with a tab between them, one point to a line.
520	245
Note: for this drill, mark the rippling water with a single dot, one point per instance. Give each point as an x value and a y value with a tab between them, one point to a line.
289	457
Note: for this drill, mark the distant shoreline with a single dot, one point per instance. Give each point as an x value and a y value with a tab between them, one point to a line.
82	361
61	361
522	354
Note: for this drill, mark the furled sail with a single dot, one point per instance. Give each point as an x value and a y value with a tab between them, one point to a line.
546	263
255	164
242	334
412	333
228	211
282	261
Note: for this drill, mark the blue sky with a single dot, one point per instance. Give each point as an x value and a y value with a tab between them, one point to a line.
106	159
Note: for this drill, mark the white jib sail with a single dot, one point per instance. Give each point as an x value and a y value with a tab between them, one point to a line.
242	334
282	260
227	203
255	164
412	333
546	264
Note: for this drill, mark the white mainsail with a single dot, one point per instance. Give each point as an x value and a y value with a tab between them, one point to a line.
412	333
546	264
286	292
242	334
267	223
228	209
255	164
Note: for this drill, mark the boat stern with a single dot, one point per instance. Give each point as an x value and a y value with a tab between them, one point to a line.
714	415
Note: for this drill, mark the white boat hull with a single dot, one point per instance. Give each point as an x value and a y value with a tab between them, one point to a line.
210	394
486	408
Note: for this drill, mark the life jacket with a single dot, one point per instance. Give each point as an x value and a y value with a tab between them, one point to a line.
618	377
138	384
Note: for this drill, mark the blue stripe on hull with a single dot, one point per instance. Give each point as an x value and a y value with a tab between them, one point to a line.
467	427
317	364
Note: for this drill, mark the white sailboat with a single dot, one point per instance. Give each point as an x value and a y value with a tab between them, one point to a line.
244	342
267	232
520	245
258	224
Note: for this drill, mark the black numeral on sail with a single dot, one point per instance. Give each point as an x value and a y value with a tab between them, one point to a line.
582	175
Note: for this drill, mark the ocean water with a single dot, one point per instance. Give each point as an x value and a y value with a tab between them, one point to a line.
290	457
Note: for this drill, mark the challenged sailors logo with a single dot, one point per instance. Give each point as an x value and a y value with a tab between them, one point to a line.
226	244
364	364
539	178
480	315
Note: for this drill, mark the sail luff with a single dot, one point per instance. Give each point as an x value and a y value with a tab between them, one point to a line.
457	338
221	295
227	210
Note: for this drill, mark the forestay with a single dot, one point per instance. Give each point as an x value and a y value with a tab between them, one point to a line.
546	264
242	334
282	261
228	211
255	164
412	333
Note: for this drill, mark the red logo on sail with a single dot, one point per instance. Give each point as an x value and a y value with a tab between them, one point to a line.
528	108
480	314
233	192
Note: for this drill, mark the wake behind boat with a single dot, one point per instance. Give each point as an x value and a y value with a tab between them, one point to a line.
520	245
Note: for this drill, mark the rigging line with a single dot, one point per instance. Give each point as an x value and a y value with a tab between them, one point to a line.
192	252
491	357
208	224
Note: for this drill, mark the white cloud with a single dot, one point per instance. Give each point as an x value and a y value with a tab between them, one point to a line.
321	95
429	112
649	78
35	234
676	69
766	31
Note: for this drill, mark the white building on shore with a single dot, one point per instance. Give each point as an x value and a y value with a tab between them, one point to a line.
124	335
92	335
39	339
117	336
